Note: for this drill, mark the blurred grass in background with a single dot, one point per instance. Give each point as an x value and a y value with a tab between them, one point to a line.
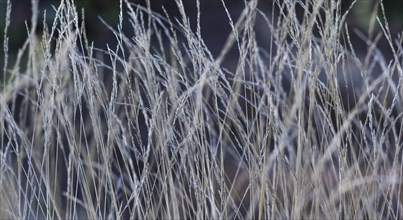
108	10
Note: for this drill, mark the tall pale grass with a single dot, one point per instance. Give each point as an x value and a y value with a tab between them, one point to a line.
157	126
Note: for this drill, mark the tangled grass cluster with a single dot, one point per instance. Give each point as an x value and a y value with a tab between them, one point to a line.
287	121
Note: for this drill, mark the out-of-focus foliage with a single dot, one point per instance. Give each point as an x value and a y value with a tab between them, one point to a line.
108	11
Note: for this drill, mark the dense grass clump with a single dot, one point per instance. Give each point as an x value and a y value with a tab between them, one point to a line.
287	120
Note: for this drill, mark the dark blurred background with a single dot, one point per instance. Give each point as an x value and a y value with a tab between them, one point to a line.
215	25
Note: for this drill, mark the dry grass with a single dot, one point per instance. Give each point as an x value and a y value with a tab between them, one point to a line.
156	127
